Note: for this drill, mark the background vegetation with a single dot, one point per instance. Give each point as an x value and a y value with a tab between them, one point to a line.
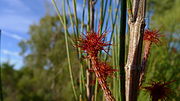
45	74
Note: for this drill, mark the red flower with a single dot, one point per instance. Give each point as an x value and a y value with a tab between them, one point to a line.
152	36
104	69
92	43
158	90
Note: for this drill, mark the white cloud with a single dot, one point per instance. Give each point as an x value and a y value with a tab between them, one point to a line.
12	58
15	22
12	35
16	16
10	53
17	4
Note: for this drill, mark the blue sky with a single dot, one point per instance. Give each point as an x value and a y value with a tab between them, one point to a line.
15	18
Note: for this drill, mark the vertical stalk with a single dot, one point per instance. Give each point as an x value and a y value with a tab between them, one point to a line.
101	15
57	11
114	64
147	48
136	25
83	13
92	3
1	90
91	15
113	23
67	50
63	21
122	49
95	90
76	19
102	82
109	12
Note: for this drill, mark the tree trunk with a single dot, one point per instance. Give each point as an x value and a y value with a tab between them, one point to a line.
136	25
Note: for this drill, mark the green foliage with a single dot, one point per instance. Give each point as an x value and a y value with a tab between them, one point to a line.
166	15
163	66
45	75
163	63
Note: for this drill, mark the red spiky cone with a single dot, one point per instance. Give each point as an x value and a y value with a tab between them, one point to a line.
150	36
158	90
91	44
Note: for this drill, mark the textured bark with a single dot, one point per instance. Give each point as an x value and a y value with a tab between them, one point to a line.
101	80
136	25
88	86
147	48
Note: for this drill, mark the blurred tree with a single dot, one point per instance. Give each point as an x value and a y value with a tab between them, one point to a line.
9	79
22	85
45	75
164	59
47	56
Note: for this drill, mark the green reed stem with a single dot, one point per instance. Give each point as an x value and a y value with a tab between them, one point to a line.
89	18
95	93
109	12
122	49
57	11
63	21
83	13
117	61
76	18
113	25
113	62
67	49
71	18
101	15
129	6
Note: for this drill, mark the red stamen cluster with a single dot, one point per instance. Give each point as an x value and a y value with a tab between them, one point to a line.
106	70
152	36
158	90
92	43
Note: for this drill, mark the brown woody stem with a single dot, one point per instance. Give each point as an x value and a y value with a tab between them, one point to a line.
101	80
147	48
133	65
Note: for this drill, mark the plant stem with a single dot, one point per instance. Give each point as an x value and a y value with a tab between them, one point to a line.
136	24
76	19
63	21
91	11
113	23
147	48
92	3
1	90
101	80
122	49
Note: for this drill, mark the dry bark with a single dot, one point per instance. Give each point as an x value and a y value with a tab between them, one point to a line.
136	24
101	80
